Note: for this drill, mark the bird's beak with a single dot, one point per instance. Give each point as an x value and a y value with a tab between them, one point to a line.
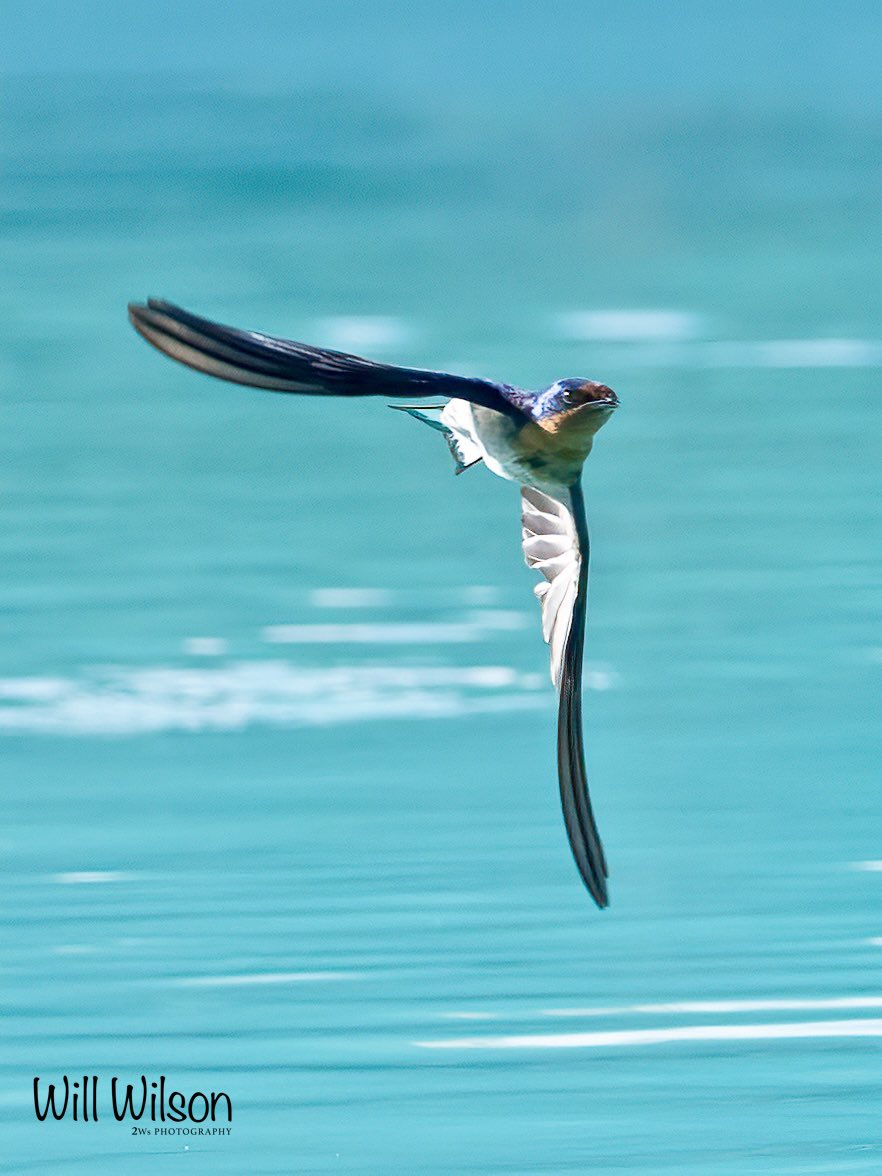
608	404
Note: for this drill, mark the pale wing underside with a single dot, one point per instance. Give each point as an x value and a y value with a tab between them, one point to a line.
556	544
551	546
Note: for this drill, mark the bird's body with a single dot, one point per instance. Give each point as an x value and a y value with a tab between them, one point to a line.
539	439
547	452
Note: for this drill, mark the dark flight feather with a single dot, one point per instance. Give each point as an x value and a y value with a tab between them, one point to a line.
282	365
578	816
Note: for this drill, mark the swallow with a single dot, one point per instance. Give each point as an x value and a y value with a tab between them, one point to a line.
539	439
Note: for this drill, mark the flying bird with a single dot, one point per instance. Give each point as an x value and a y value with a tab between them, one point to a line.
539	439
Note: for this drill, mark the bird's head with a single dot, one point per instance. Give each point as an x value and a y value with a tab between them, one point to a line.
575	403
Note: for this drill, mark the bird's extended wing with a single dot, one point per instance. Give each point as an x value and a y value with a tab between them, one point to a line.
555	537
282	365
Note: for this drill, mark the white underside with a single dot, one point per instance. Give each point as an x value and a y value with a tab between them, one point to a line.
457	416
483	433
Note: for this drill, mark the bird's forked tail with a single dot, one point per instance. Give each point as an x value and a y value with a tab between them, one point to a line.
454	420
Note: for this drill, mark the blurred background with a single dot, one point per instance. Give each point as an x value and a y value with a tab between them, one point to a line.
280	803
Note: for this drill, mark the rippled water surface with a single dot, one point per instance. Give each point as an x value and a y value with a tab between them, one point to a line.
280	811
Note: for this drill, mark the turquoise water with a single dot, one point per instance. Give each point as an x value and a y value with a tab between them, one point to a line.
281	816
